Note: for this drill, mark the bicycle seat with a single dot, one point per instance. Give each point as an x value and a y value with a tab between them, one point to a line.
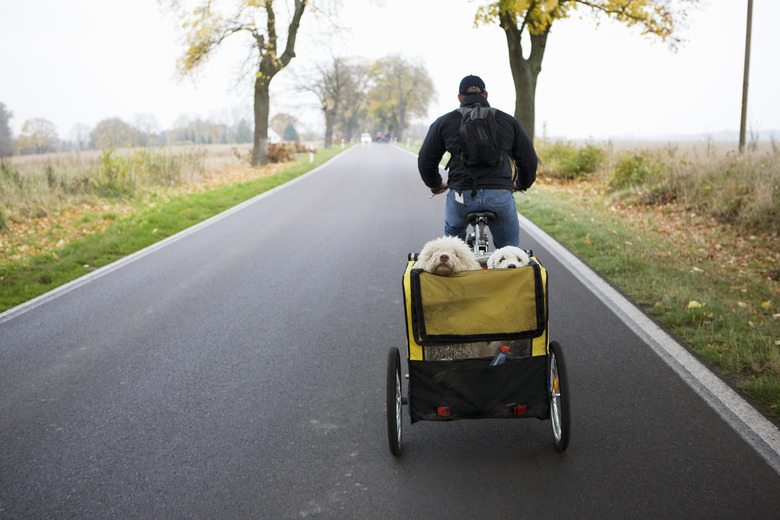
472	217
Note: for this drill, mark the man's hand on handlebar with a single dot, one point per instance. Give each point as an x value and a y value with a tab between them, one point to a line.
440	189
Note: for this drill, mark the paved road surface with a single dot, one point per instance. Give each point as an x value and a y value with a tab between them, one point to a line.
239	372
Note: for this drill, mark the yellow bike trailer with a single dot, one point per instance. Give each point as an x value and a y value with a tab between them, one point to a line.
478	312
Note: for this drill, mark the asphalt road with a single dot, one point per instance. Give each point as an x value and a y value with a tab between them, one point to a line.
239	372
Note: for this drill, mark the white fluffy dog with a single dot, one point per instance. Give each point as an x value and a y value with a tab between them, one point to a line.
508	257
446	256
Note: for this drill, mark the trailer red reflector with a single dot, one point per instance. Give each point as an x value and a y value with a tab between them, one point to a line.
520	409
444	411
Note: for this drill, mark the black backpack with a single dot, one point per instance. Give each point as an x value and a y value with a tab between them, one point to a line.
479	141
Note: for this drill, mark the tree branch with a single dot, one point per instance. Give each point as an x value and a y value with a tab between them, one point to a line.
292	31
270	26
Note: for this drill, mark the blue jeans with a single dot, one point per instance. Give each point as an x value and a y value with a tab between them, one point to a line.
505	229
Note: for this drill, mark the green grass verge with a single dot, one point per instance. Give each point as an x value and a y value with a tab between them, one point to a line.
731	330
155	218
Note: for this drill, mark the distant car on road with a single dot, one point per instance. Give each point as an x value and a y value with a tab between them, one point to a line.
365	138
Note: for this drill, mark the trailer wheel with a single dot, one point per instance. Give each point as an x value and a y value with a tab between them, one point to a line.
394	401
559	397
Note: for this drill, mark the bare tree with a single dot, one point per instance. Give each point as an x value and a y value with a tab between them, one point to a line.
147	126
330	83
79	136
356	98
206	30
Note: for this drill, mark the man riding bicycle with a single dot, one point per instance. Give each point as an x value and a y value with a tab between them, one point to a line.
479	179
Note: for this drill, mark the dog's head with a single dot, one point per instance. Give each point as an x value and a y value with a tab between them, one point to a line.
446	256
508	257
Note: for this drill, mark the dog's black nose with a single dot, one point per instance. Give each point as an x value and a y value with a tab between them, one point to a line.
511	266
444	257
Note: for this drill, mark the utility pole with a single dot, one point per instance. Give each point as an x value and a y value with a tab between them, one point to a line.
743	119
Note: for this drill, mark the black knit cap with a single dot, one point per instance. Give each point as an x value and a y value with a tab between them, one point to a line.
471	81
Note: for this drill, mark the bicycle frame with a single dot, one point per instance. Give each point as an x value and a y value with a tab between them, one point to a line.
477	240
479	236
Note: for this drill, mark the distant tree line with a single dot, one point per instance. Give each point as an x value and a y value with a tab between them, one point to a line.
358	96
40	135
355	96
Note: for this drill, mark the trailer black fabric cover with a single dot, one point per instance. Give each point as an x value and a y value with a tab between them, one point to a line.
472	389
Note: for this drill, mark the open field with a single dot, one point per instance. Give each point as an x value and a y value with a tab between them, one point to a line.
695	148
214	156
37	186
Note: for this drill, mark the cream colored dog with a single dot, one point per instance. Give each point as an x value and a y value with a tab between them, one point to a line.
507	258
446	256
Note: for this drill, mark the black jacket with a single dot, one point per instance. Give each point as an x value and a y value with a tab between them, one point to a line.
443	137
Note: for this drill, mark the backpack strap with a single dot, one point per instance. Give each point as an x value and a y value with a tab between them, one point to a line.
474	177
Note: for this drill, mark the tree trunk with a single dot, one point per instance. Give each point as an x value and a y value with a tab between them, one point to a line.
262	108
269	66
401	123
330	120
524	71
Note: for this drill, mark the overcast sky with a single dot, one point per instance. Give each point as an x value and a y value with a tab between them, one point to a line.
82	61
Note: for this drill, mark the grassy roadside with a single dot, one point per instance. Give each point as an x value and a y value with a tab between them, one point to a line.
149	218
682	270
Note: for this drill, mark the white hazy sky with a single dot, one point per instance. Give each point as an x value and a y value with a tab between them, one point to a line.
81	61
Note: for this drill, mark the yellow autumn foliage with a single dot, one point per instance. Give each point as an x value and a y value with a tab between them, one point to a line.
654	17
